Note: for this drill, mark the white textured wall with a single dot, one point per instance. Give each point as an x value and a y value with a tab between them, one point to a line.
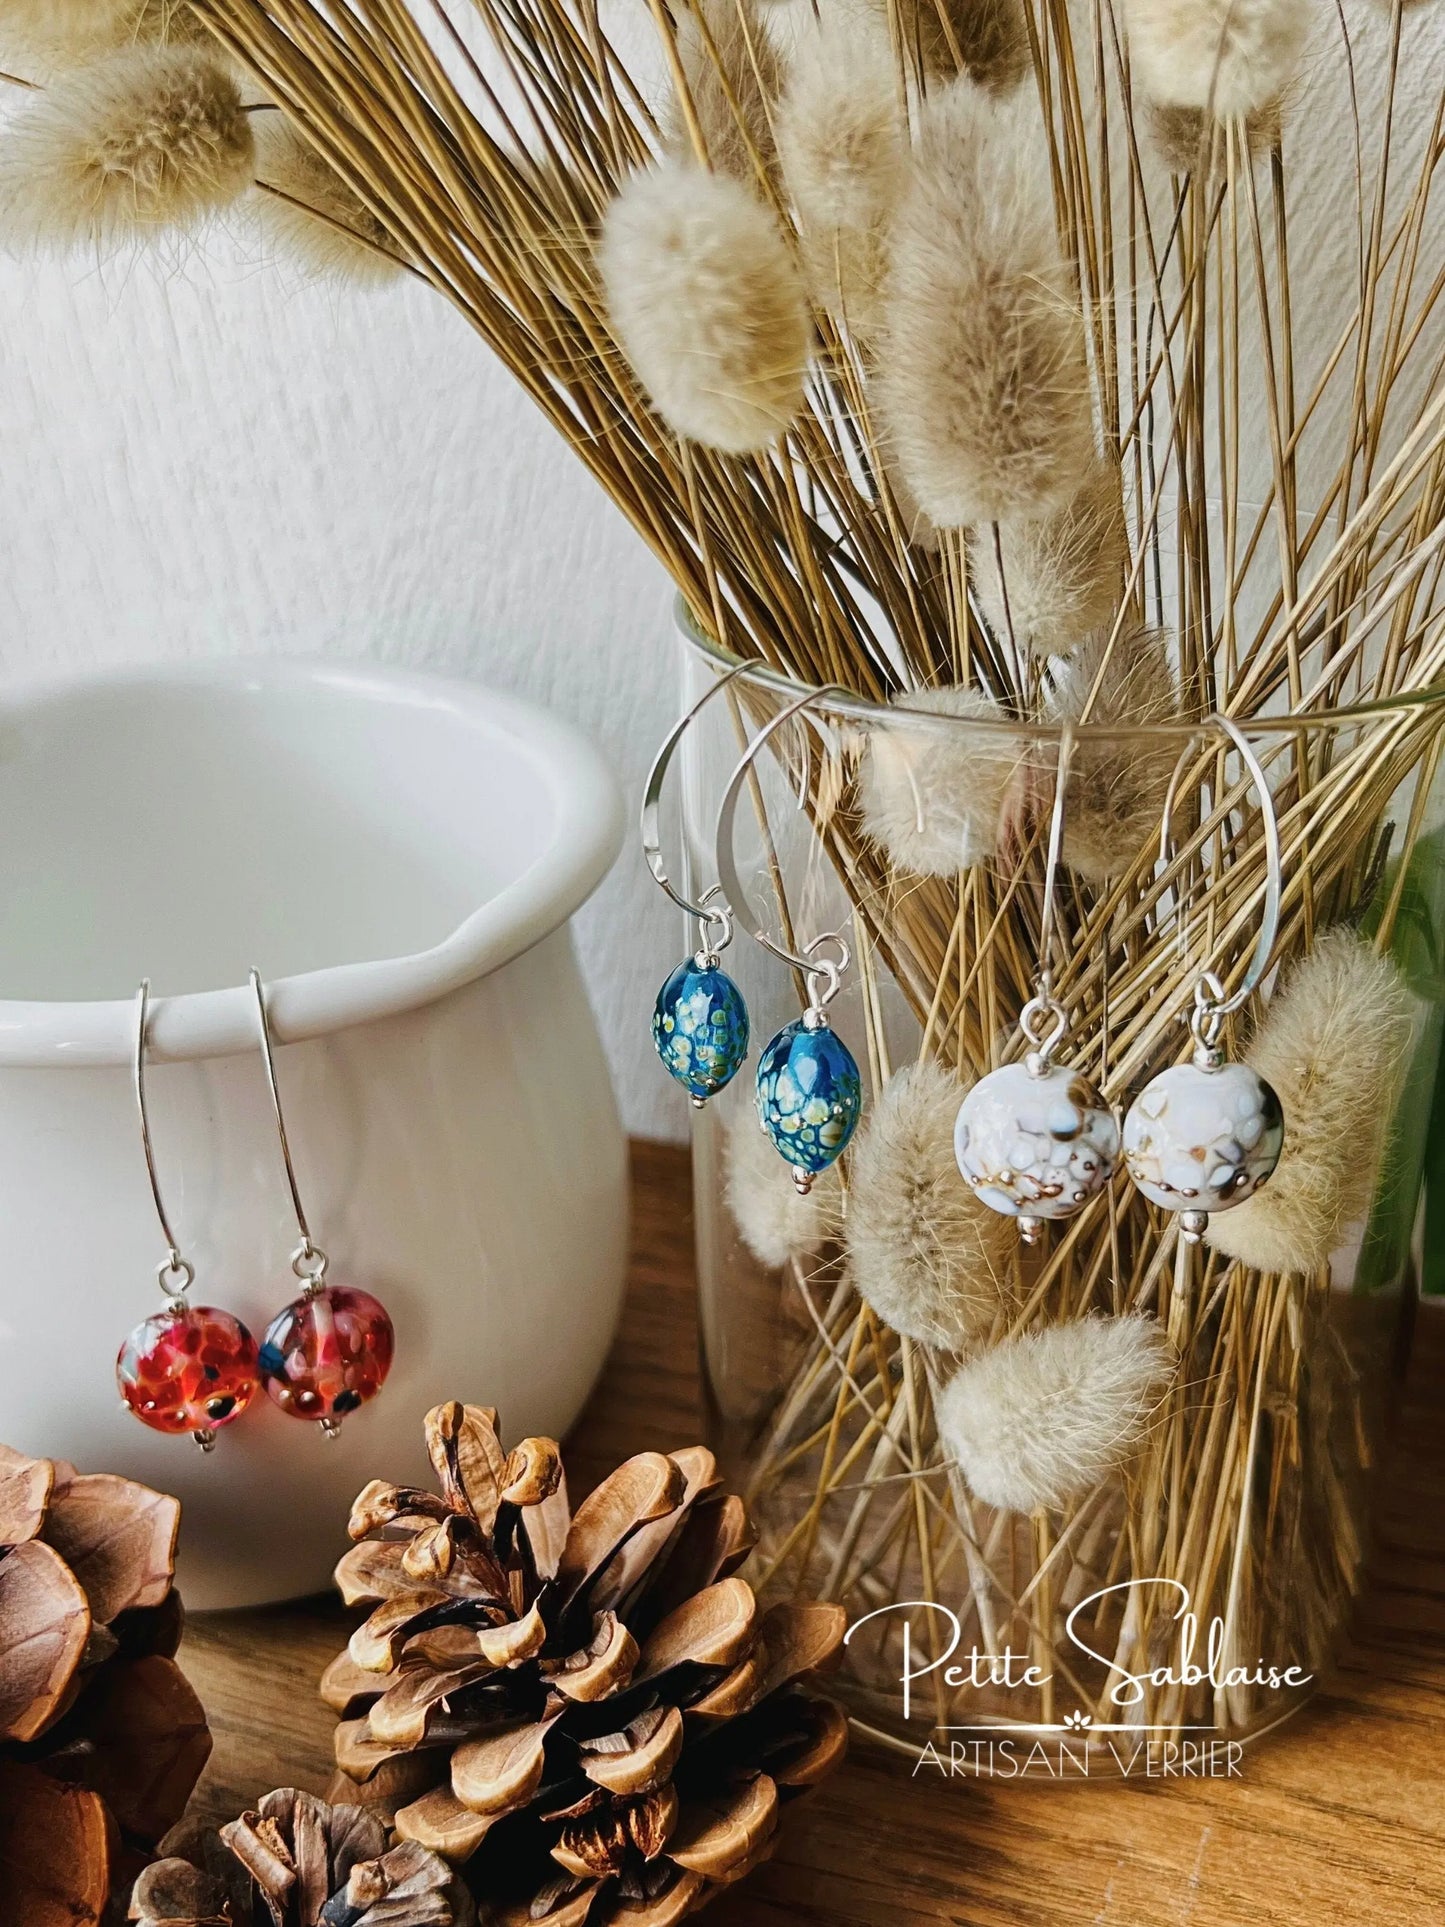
217	459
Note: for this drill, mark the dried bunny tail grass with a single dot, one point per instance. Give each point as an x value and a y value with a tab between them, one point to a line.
774	1220
143	142
917	525
707	304
840	143
1042	1418
65	33
1190	141
986	39
1333	1044
926	1255
1229	57
742	62
931	797
1063	574
983	389
313	216
1117	788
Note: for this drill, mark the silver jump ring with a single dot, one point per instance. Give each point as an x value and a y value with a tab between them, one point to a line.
310	1264
1206	1020
175	1275
1045	1039
827	970
715	920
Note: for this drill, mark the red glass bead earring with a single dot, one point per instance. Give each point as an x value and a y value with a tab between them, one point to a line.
188	1368
329	1350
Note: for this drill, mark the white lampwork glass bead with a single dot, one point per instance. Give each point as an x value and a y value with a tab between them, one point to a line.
1036	1144
1198	1140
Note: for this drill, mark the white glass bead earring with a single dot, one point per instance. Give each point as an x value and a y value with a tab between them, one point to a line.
1037	1140
1204	1135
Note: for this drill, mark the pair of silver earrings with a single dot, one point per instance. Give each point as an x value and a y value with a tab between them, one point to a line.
197	1368
1037	1140
809	1091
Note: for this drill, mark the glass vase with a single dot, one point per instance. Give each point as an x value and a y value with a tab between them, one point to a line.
1192	1596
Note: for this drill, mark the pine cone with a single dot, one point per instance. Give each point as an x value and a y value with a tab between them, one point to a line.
101	1736
297	1862
587	1710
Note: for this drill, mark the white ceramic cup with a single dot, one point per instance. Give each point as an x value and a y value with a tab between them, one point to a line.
399	856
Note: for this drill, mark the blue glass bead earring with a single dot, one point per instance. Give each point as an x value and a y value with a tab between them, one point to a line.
700	1021
1038	1140
1205	1135
809	1091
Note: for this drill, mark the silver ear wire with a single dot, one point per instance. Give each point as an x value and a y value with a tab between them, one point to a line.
308	1260
1044	1005
1215	1004
713	909
822	975
176	1276
1211	1004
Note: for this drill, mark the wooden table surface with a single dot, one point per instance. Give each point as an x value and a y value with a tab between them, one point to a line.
1339	1817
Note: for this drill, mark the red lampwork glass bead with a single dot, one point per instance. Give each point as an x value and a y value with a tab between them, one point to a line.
327	1353
189	1368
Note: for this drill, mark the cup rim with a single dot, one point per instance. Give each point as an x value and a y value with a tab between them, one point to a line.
862	709
585	839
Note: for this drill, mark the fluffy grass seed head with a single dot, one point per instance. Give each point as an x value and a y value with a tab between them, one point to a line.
917	527
1233	58
1116	787
708	305
932	797
1063	574
1190	141
983	389
925	1254
1038	1421
1333	1044
840	143
733	84
774	1220
129	148
313	217
986	39
52	35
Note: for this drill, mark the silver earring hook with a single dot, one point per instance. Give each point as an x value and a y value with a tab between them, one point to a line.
1171	798
713	909
308	1261
1043	1018
175	1274
824	975
1055	857
1211	1005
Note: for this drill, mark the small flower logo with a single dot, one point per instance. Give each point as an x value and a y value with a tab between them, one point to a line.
1076	1721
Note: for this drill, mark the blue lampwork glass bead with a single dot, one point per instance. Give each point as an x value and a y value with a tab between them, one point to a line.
700	1027
809	1097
